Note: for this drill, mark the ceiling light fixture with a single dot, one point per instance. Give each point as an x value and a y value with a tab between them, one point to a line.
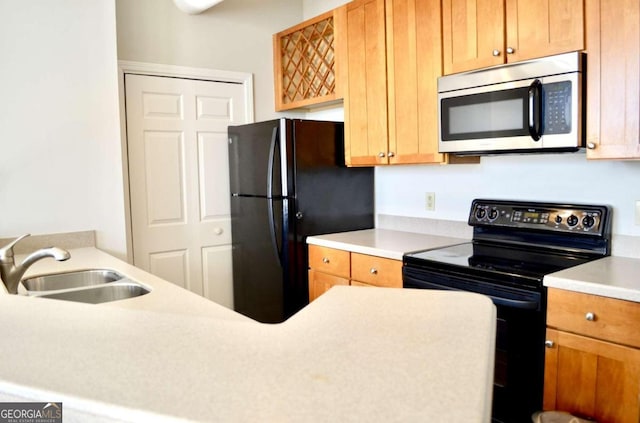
194	7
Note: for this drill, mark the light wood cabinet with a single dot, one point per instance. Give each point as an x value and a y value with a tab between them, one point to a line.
390	62
329	267
319	283
304	60
365	79
376	271
592	361
481	33
613	79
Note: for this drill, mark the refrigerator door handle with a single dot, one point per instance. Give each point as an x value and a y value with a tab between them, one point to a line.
272	231
272	153
272	221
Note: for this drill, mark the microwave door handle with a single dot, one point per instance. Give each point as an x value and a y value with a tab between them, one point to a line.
535	110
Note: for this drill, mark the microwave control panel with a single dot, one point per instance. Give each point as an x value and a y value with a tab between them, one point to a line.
557	107
540	216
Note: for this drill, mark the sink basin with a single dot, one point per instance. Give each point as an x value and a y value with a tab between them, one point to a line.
70	280
100	294
93	286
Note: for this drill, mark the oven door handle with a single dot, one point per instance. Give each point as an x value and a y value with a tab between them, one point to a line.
413	282
520	304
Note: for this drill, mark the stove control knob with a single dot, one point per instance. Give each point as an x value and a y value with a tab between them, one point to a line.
588	222
572	221
558	219
480	214
493	214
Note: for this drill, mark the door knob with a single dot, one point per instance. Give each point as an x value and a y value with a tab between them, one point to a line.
590	316
381	155
548	344
496	52
510	50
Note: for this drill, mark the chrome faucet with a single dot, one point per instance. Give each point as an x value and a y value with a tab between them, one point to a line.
11	274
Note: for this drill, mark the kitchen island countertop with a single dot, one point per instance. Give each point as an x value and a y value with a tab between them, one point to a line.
355	354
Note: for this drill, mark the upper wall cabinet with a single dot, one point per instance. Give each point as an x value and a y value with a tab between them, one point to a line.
364	73
305	65
613	79
389	64
474	31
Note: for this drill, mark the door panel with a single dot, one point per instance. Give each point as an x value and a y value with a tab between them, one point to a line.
179	179
163	163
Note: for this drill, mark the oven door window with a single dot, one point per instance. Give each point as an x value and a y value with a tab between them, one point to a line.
492	114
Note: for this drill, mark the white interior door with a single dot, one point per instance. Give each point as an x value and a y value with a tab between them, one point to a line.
179	181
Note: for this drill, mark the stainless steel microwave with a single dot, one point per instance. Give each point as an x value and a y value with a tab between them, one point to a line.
529	106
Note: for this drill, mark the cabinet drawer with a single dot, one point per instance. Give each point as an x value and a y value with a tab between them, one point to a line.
376	270
595	316
329	260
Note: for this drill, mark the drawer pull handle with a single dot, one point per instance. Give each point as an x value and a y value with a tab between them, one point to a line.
548	344
373	271
590	316
325	260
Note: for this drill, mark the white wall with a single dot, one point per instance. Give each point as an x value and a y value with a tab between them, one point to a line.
235	35
60	161
400	190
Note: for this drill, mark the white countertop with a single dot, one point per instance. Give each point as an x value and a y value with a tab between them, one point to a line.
615	277
382	242
354	354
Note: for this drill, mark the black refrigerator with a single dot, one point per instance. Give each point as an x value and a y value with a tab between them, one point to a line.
288	181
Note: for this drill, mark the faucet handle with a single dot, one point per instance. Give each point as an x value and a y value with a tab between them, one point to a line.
6	252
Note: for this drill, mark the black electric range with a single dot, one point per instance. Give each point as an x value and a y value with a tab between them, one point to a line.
514	245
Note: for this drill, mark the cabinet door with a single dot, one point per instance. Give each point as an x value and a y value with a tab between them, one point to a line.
592	378
319	283
472	34
543	28
414	62
364	74
613	79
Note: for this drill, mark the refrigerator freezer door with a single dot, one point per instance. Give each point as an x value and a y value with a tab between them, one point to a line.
255	159
258	263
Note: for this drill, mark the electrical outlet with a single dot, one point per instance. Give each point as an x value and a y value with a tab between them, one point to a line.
637	214
430	201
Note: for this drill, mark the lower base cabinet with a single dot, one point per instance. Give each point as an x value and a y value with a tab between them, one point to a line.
588	371
319	283
329	267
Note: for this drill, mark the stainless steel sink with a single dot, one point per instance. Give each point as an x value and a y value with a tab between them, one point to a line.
101	294
70	280
93	286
